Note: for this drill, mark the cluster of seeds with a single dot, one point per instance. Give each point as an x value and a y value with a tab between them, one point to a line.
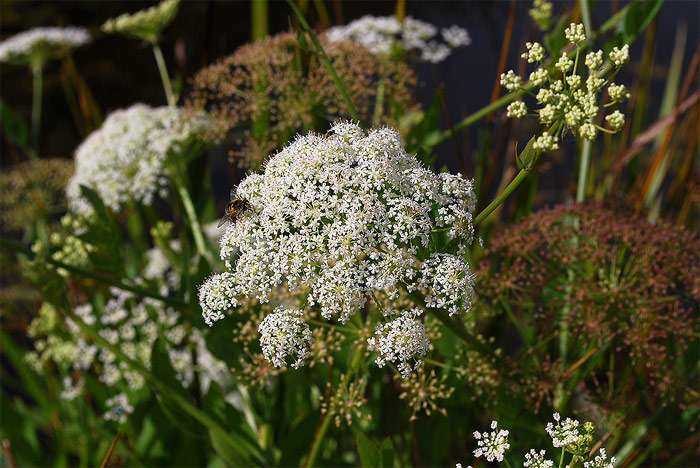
383	35
350	216
567	96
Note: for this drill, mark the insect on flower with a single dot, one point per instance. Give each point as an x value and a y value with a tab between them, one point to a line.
234	209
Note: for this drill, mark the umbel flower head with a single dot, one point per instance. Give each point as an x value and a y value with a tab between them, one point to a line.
146	24
38	45
383	35
492	445
126	158
348	214
401	342
567	97
261	86
284	335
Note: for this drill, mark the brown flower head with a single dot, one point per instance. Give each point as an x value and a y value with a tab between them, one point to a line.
269	90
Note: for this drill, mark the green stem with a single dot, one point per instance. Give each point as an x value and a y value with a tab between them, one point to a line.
196	228
258	12
318	438
478	115
37	95
586	17
164	77
18	248
501	198
326	420
326	62
583	171
561	459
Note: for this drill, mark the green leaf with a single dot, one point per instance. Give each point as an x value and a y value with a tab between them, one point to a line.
14	127
374	454
638	17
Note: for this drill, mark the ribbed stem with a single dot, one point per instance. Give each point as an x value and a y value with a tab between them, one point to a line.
583	171
195	226
37	95
164	77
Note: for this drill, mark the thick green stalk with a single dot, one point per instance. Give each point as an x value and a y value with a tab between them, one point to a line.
37	95
195	226
583	171
326	62
586	16
258	12
165	78
501	198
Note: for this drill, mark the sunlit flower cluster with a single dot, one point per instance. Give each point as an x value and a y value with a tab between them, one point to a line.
349	215
401	342
385	34
569	435
284	335
492	445
40	44
541	13
126	158
118	408
145	24
568	98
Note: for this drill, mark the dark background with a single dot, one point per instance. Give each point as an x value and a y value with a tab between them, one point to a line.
119	71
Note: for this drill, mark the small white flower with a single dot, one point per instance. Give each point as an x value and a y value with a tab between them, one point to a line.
574	81
535	459
547	114
456	36
517	110
616	120
544	96
594	83
492	445
563	433
545	142
600	461
617	92
401	342
538	77
510	80
594	59
619	56
535	52
564	63
541	13
575	33
118	408
217	296
587	131
284	334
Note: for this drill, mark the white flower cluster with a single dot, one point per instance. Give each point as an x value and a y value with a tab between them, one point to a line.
600	461
402	342
492	445
568	98
569	435
347	215
126	158
118	408
541	13
563	433
133	325
285	334
535	459
40	44
383	34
